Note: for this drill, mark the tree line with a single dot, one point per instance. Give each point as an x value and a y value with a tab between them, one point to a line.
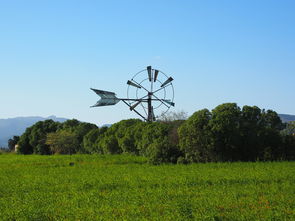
227	133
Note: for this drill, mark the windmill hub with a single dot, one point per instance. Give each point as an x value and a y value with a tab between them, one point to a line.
143	98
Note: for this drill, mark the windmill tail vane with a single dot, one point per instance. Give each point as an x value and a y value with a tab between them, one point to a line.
151	93
107	98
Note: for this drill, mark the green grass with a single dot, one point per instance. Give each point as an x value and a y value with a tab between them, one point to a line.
127	188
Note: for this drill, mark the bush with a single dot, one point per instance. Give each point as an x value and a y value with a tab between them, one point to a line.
91	140
109	144
162	151
63	142
196	138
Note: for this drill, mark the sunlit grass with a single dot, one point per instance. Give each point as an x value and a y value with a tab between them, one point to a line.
123	187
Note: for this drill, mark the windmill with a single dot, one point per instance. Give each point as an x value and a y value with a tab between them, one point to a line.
150	92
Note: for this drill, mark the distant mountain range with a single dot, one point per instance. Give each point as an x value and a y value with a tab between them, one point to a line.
287	117
106	125
17	126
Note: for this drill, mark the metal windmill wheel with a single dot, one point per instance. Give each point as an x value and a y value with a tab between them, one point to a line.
150	92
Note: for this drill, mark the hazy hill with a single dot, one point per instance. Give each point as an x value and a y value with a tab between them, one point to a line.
17	126
287	117
106	125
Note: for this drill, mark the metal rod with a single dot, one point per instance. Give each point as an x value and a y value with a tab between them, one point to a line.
139	99
141	86
150	108
144	109
161	101
127	99
135	110
161	88
142	100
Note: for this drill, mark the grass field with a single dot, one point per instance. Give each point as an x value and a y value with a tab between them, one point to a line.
120	187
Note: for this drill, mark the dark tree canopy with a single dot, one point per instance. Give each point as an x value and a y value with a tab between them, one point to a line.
196	138
35	139
227	133
63	142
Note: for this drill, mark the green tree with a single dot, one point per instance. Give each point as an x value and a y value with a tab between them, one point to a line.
162	151
225	127
270	136
126	135
120	137
34	138
289	129
80	129
91	140
109	144
251	126
196	138
69	124
63	142
24	146
39	133
156	145
288	147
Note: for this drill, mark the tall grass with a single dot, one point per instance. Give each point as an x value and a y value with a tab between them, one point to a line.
123	187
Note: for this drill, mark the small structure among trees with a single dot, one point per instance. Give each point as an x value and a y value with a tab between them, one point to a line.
12	143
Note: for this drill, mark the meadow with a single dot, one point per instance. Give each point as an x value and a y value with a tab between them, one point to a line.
124	187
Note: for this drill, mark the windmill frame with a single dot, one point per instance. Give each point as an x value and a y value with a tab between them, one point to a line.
109	98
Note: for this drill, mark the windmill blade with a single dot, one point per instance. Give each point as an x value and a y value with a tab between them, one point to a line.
149	70
169	102
135	105
156	75
133	84
107	98
167	81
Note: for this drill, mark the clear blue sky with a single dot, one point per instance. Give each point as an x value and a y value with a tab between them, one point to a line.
52	52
